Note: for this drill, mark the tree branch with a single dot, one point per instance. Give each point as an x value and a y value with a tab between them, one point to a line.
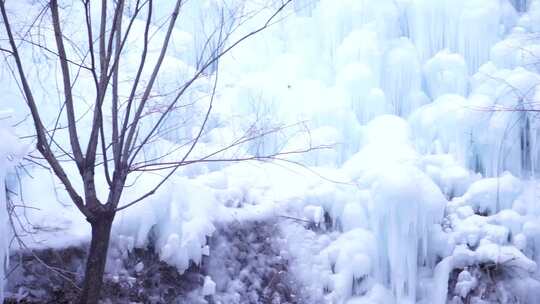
42	146
70	111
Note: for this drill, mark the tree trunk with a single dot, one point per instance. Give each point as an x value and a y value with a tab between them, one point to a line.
97	256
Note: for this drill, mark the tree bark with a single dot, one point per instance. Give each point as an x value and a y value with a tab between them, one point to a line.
97	257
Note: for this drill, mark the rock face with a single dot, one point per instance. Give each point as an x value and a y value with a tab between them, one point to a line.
243	266
46	276
52	276
247	267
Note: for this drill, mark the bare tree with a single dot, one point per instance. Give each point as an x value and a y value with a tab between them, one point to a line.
117	148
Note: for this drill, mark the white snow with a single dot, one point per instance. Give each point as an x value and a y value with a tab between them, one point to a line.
209	287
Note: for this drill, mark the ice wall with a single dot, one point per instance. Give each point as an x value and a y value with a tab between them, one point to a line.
368	58
460	75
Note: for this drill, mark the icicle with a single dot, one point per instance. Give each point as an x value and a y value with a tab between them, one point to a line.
520	5
441	276
406	206
401	80
469	27
446	73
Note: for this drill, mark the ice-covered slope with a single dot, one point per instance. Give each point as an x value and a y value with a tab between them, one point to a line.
431	192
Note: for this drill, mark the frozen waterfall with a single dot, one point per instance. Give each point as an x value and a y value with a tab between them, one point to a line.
432	107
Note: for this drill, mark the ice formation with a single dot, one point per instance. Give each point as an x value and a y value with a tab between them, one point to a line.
9	153
432	108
